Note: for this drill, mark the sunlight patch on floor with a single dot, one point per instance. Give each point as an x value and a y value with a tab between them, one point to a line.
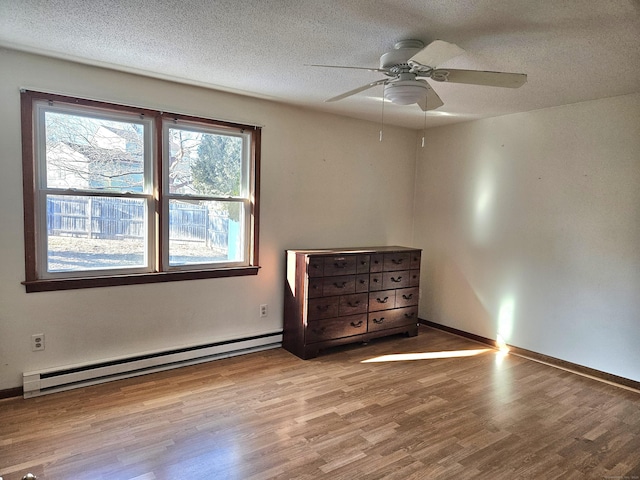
401	357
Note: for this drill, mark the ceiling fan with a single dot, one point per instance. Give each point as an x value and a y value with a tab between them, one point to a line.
410	59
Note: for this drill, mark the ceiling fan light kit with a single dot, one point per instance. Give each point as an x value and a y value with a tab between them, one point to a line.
405	92
410	59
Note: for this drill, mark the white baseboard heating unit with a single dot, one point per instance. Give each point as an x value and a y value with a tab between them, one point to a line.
76	376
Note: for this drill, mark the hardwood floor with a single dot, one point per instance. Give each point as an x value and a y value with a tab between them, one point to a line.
271	415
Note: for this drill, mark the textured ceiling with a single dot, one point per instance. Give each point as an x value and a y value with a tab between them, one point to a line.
571	50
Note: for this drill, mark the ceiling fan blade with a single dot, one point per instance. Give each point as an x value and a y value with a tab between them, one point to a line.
478	77
352	68
431	101
357	90
435	53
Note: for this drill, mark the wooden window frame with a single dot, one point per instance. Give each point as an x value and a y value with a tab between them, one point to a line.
33	283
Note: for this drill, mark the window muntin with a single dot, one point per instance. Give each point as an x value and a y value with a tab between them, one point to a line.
118	190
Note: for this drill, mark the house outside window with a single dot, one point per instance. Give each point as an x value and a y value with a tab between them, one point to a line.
119	195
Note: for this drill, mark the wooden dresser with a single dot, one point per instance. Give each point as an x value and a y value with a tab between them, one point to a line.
338	296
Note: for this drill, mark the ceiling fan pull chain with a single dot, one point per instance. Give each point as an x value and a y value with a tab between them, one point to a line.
382	118
424	128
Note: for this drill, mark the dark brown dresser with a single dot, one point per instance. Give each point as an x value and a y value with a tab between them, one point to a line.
338	296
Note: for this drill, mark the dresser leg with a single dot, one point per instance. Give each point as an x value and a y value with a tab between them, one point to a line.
310	352
413	332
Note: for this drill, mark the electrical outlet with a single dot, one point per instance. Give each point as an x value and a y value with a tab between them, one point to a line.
37	342
264	311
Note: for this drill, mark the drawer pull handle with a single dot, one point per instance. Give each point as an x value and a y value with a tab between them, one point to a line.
396	280
319	331
375	280
382	300
378	320
356	325
362	282
339	285
323	308
354	304
397	261
409	315
340	265
408	297
315	265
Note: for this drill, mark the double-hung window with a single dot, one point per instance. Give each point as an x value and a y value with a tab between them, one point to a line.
119	195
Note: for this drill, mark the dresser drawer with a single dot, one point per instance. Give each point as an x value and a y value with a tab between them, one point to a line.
398	279
396	261
342	285
315	287
362	263
315	268
375	282
392	318
407	297
362	283
353	304
379	320
340	265
414	278
382	300
325	307
405	316
376	263
321	330
415	260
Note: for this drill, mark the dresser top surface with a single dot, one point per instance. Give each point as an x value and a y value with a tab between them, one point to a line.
363	250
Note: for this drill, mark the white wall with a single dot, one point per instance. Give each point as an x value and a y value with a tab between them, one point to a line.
326	182
530	226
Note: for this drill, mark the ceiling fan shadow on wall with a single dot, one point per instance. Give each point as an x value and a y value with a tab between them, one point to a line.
410	59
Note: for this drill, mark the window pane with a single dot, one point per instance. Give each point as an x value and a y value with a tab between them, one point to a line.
205	232
204	163
93	233
93	154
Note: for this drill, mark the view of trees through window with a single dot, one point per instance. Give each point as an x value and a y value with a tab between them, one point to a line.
92	154
205	164
86	231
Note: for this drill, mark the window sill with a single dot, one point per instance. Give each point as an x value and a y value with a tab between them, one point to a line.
50	285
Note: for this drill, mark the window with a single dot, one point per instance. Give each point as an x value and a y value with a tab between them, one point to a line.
117	195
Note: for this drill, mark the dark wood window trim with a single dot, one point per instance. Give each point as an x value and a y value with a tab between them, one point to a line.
34	284
134	279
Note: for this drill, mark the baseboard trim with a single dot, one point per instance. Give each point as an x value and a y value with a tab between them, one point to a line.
609	378
11	392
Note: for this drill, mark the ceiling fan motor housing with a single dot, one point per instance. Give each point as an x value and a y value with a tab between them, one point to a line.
401	53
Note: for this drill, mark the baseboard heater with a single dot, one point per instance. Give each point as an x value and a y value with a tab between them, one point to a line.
76	376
